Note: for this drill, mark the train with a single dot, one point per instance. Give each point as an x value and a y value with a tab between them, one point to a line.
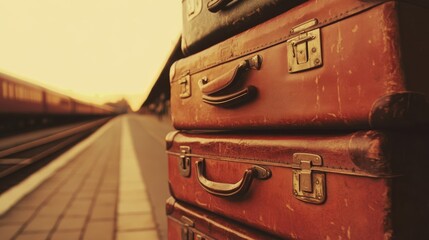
18	97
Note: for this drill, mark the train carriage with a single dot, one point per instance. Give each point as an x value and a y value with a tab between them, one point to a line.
18	97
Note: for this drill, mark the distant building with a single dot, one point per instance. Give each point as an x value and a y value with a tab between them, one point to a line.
120	106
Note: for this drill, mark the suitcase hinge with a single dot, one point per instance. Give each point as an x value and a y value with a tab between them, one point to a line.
187	233
304	51
185	161
308	186
185	86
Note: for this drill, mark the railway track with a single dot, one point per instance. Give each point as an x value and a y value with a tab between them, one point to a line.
20	161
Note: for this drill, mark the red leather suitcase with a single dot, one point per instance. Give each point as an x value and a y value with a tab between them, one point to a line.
360	185
187	222
206	22
329	64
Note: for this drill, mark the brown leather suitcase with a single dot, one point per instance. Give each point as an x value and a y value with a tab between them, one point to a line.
329	64
206	22
187	222
360	185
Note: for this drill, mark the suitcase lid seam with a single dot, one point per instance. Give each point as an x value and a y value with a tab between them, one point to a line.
326	169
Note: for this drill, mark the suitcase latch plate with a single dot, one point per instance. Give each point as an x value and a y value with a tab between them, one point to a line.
185	161
188	230
304	51
308	186
187	233
185	86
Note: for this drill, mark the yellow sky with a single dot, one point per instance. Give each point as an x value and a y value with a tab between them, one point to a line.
96	50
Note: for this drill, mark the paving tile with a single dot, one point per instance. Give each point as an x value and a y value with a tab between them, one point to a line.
8	231
113	177
137	235
95	175
81	195
41	223
16	215
46	188
92	188
58	198
103	212
133	207
113	168
132	193
34	199
135	222
33	236
92	180
71	187
106	198
109	188
69	235
138	196
128	192
100	230
132	173
59	178
30	204
82	171
79	207
71	223
68	170
52	210
132	187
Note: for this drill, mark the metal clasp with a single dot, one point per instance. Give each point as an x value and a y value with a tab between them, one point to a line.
304	50
308	186
185	86
185	161
187	234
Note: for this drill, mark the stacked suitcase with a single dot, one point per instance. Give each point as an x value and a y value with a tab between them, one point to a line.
300	120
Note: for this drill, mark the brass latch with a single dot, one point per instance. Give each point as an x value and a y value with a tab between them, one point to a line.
185	161
308	186
185	86
304	51
188	230
187	234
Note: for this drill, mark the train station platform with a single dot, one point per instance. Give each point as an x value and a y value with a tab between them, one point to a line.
97	189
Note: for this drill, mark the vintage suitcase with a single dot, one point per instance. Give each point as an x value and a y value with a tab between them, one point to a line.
360	185
206	22
323	64
187	222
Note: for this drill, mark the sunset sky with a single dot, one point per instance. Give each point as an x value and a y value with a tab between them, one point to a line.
95	50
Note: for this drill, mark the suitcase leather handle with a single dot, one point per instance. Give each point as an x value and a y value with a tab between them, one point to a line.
227	79
212	90
231	99
231	189
216	5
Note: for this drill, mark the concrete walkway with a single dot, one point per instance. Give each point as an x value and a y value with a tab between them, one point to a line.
96	193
